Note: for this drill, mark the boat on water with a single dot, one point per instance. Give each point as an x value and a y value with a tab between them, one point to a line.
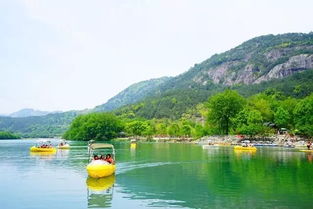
101	160
246	145
133	144
43	146
63	145
248	148
306	150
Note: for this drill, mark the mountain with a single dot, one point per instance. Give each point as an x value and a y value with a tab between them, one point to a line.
284	62
132	94
259	59
254	62
27	112
38	126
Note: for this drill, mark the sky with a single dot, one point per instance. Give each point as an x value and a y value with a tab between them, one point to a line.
59	55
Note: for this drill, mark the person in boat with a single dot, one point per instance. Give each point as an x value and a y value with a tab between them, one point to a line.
109	159
95	157
309	144
102	157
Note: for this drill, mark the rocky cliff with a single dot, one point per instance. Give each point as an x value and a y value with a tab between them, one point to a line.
259	59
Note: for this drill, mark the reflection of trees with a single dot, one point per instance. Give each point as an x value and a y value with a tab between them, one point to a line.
220	177
100	191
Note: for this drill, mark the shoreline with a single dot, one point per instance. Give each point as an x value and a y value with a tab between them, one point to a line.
277	139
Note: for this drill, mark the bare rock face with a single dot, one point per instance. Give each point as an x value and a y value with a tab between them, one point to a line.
219	73
294	64
275	54
260	59
249	73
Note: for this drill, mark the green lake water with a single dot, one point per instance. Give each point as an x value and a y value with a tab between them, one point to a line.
156	175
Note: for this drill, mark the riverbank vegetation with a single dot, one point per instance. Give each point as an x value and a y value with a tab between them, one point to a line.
224	113
8	135
100	126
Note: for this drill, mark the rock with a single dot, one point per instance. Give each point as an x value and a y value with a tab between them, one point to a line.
294	64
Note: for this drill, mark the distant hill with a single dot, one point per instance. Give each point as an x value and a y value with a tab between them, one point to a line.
28	112
38	126
284	62
133	94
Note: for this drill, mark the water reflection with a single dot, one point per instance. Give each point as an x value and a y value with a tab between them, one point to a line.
244	153
309	157
42	155
100	191
63	153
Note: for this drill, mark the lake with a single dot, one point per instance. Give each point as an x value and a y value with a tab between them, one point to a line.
164	175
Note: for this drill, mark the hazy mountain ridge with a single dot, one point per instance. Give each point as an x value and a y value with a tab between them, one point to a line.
132	94
28	112
38	126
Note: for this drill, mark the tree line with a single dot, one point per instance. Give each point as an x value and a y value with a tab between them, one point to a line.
8	135
224	113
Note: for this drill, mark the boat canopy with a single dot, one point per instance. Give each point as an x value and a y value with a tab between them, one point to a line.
93	147
100	145
43	141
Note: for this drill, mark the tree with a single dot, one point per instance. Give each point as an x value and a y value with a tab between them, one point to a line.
248	122
223	107
303	114
263	104
137	128
281	117
94	126
186	130
8	135
173	130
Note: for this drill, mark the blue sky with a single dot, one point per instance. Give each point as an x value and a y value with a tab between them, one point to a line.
72	54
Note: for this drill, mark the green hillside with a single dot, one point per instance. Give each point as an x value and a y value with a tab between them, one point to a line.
173	104
38	126
132	94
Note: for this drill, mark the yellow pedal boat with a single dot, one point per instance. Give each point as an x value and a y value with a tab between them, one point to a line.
39	149
43	146
100	168
306	150
133	145
245	148
63	145
99	171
